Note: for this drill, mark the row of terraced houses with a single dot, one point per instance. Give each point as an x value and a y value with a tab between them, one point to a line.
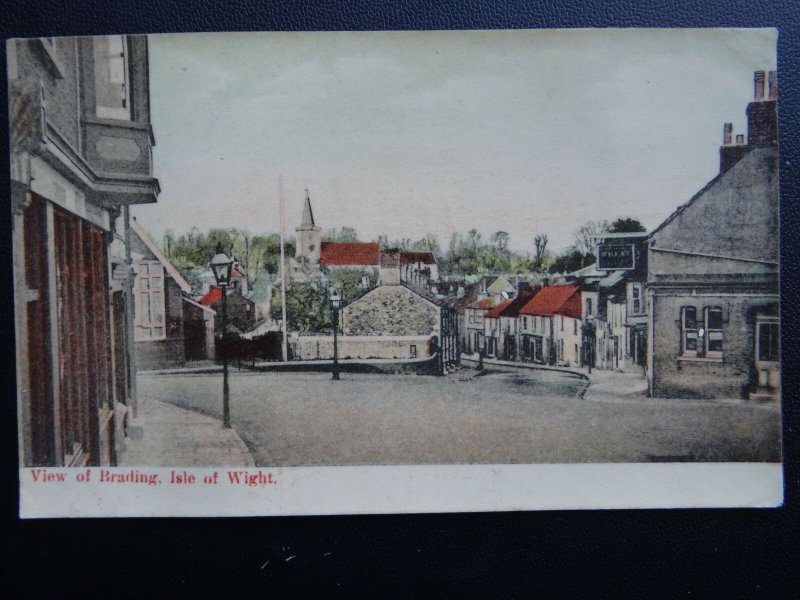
693	304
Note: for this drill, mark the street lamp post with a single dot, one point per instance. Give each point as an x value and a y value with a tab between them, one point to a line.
221	266
336	302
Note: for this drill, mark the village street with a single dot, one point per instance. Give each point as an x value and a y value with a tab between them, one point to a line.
291	419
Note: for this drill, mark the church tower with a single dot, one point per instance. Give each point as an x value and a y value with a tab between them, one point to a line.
309	236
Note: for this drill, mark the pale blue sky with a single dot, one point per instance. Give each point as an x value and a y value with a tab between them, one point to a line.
406	133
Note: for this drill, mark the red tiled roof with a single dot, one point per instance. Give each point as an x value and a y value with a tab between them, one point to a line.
213	295
572	307
426	258
495	312
483	303
555	299
349	253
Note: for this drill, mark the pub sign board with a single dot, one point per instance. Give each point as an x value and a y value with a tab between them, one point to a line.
613	257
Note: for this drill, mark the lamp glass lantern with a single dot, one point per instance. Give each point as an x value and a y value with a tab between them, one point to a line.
336	298
221	266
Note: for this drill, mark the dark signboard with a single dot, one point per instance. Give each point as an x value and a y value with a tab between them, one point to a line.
611	257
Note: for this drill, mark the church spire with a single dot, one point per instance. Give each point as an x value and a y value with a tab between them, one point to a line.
308	215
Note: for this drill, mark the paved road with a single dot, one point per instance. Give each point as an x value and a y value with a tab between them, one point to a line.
292	419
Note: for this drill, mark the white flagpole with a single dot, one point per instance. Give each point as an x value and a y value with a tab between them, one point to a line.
284	344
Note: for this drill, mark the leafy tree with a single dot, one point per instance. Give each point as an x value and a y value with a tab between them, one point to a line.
428	243
571	260
626	225
307	308
352	283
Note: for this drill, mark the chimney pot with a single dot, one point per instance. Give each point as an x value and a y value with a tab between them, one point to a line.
758	81
740	139
772	80
727	132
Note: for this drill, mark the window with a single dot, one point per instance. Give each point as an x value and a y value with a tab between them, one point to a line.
636	298
575	326
588	307
689	331
713	333
413	351
112	88
701	337
560	318
560	349
149	292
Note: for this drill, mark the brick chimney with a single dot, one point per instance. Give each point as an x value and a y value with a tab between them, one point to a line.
758	83
727	133
762	113
762	122
390	266
729	153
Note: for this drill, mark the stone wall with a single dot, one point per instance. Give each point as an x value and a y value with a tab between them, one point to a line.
353	347
392	311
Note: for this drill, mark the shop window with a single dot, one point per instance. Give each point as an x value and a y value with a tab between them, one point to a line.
112	87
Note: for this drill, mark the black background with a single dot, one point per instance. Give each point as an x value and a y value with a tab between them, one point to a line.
656	553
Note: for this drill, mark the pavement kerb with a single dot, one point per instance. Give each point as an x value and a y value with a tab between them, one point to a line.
594	380
153	434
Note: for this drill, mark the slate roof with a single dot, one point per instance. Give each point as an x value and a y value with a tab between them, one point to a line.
349	253
555	300
473	290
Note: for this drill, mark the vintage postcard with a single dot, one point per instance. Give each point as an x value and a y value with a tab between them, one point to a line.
385	272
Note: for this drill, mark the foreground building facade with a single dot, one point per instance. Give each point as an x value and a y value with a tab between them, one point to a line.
713	273
80	156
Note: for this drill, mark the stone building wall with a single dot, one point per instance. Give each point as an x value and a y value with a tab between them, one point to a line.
737	215
729	376
390	310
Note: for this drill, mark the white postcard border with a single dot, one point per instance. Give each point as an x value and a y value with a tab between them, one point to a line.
398	489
